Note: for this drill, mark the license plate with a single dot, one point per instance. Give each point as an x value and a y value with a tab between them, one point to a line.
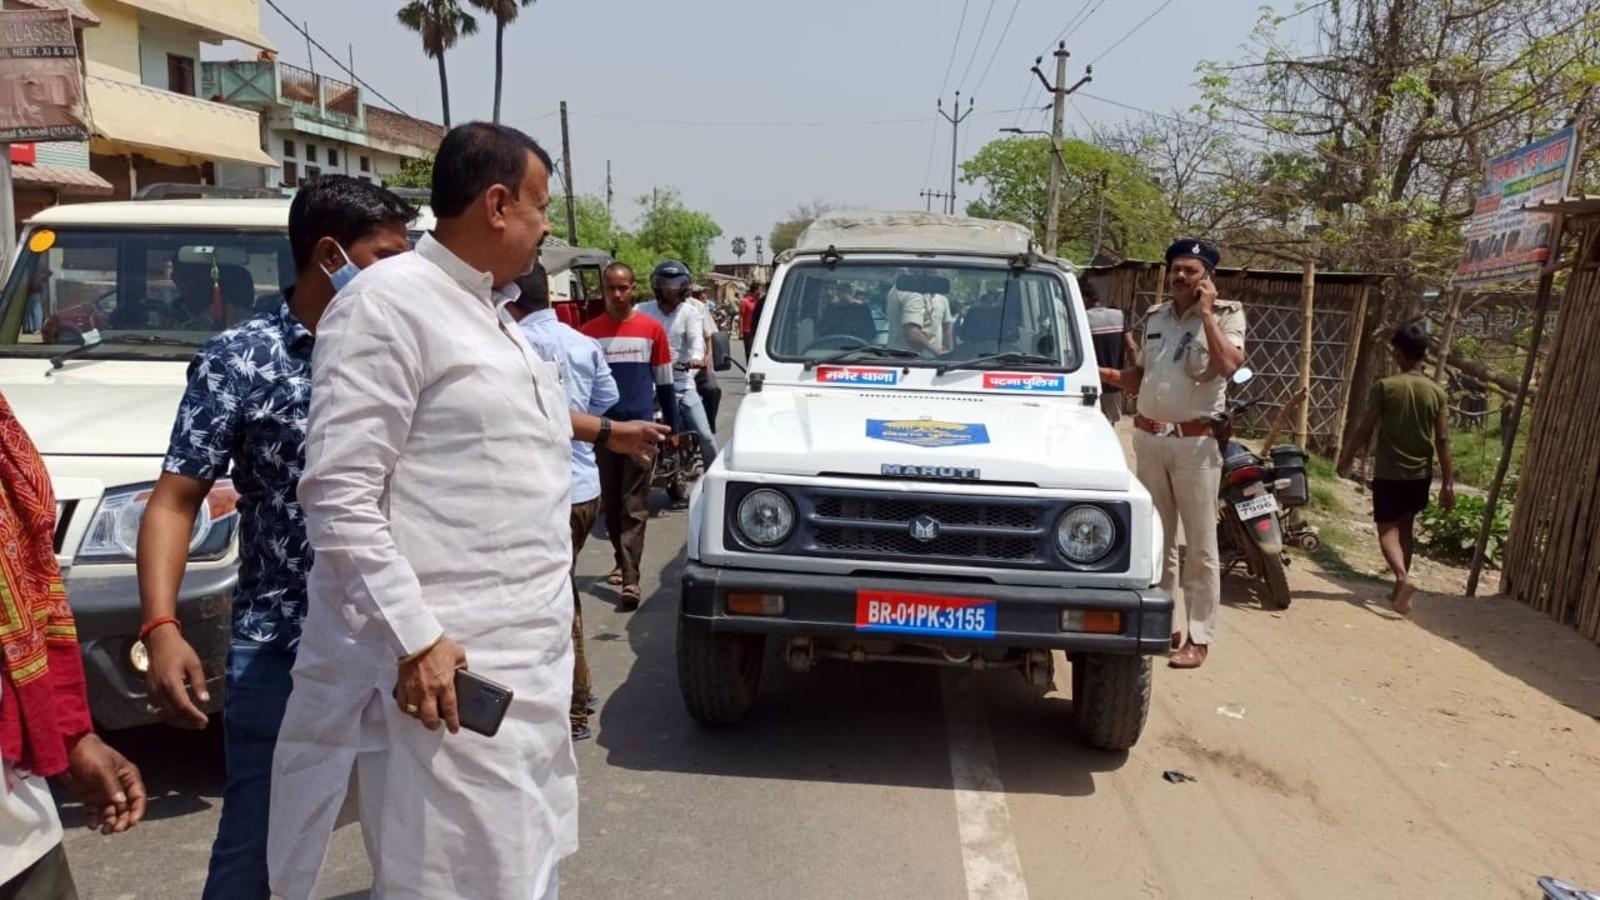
1256	507
925	614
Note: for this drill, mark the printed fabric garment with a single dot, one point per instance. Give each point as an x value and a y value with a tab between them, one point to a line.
587	380
640	360
245	407
44	709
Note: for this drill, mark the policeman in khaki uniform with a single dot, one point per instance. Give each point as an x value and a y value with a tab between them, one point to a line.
1191	347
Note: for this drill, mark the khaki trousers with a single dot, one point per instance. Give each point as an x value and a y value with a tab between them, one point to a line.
582	520
1182	476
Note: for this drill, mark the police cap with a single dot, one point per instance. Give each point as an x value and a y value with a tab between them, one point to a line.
1203	250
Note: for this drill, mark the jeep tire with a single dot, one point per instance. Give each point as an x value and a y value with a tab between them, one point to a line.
1110	698
718	674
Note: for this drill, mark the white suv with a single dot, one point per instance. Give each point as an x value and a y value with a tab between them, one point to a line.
952	497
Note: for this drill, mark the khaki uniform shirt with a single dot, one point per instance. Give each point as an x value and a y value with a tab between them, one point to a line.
1179	385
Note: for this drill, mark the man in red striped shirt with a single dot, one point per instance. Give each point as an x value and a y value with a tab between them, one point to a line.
636	348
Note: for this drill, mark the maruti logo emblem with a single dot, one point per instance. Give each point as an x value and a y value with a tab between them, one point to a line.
924	528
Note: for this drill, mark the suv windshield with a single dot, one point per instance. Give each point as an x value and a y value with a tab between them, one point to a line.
923	315
169	291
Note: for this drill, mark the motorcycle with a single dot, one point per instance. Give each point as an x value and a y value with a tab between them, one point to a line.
1256	505
678	465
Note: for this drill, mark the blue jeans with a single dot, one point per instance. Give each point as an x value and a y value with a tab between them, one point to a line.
694	419
258	690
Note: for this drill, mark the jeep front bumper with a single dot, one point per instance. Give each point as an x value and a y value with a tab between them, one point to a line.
825	606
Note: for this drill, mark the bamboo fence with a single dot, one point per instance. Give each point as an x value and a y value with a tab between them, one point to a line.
1552	556
1274	316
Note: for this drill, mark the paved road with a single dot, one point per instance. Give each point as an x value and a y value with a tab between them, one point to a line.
1339	753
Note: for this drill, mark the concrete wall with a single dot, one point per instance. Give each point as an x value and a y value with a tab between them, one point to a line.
112	50
157	39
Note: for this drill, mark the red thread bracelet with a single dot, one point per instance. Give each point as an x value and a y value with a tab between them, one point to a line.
157	622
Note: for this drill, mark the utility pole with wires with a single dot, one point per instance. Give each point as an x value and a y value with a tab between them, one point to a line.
1100	216
1058	117
566	178
609	192
930	195
955	147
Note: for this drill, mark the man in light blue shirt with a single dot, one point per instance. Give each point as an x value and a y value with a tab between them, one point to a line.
590	389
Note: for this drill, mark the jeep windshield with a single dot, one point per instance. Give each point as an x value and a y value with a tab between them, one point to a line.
126	293
934	315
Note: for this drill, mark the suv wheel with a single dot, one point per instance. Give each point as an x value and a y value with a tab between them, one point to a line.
1110	699
718	674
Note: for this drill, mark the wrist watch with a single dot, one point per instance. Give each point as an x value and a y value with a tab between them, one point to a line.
604	437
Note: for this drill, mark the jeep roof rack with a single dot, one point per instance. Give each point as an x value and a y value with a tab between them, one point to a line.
167	190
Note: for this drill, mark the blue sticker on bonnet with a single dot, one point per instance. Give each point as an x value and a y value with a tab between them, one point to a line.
926	433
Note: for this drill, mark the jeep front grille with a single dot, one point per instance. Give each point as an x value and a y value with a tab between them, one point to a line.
878	525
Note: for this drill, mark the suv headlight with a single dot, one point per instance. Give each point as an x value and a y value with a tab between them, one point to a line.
766	517
114	532
1085	534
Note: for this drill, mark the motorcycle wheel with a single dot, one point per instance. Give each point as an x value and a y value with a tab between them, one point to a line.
1268	567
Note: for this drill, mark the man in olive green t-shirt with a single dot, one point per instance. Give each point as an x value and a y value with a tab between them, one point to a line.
1412	417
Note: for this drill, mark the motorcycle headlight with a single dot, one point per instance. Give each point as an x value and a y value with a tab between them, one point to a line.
1085	534
766	517
114	532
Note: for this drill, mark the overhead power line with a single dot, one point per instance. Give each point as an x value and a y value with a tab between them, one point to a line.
977	44
336	61
1133	31
954	47
997	45
773	123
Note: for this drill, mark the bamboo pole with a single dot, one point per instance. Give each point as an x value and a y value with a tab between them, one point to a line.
1451	312
1358	324
1308	294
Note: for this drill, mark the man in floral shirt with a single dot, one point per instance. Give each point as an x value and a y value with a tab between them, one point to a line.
245	407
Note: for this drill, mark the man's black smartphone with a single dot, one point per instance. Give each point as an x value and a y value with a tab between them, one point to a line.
480	703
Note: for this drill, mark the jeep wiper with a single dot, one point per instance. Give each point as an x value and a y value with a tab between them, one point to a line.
998	360
59	358
870	350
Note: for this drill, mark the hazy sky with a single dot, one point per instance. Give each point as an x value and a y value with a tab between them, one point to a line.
749	108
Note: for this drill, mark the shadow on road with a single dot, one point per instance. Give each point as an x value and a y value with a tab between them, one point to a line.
845	723
183	770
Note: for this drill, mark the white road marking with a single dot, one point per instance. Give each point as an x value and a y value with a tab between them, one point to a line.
988	850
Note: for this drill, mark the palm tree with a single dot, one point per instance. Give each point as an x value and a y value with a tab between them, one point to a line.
440	23
504	12
738	249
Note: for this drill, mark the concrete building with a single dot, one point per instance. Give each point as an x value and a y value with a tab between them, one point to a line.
142	82
313	124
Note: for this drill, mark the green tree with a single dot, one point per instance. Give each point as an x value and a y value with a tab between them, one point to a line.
414	173
786	234
1015	176
505	12
738	248
440	23
669	230
595	226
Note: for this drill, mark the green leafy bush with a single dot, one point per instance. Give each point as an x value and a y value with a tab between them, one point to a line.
1451	536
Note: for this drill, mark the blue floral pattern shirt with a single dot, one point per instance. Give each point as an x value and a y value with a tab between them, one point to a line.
245	408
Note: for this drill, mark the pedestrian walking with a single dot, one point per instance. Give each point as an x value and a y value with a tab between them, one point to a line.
635	347
436	495
590	389
747	317
686	338
1113	346
705	377
1192	345
45	730
244	411
1411	415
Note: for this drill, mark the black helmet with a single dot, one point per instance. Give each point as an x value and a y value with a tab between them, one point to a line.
670	273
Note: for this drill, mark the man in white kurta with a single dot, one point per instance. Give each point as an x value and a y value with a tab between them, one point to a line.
436	500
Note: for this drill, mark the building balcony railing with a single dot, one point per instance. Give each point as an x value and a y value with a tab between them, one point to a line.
263	83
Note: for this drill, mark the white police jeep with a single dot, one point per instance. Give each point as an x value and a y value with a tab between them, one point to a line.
920	472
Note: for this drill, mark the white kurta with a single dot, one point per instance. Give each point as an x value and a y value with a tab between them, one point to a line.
435	493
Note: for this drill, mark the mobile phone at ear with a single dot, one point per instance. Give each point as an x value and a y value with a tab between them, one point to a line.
480	703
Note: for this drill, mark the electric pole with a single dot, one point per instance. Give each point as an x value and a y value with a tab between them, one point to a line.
955	130
608	189
1058	119
758	249
566	168
1100	216
929	195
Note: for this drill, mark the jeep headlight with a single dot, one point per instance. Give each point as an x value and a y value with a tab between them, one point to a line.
766	517
114	532
1085	534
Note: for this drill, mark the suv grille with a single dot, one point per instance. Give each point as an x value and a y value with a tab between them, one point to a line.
982	529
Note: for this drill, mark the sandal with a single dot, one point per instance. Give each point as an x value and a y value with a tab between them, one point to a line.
615	577
630	598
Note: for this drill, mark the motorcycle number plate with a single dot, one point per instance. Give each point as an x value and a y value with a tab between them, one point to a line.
1256	507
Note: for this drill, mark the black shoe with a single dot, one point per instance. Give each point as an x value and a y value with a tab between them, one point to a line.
581	733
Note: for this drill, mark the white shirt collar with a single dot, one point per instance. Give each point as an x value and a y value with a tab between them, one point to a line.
478	284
